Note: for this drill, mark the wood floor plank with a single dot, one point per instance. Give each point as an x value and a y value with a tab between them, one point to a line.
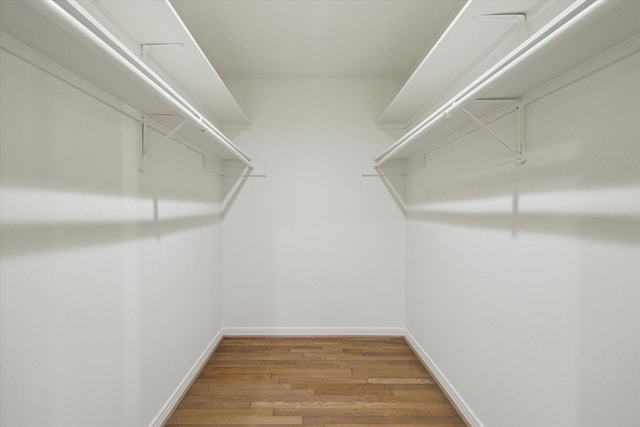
328	398
237	420
438	411
351	389
301	382
378	421
213	383
209	412
250	394
403	381
315	381
355	406
455	424
298	371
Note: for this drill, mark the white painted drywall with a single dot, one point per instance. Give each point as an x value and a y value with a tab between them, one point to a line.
110	278
523	283
314	244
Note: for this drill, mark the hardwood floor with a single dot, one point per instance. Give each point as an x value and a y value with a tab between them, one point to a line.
314	381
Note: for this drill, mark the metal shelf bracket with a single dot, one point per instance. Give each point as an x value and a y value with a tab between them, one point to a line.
145	48
145	146
518	18
519	149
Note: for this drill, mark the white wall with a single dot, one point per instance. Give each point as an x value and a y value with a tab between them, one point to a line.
523	282
110	279
314	244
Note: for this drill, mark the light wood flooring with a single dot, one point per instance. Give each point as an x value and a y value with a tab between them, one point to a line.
314	381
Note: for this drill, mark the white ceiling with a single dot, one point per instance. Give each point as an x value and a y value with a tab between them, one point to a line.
316	38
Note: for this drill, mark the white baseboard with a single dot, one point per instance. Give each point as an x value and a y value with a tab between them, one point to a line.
311	331
173	401
455	398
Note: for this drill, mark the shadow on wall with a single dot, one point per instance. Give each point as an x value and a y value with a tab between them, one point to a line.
552	198
581	179
69	207
31	238
621	229
557	192
564	190
73	180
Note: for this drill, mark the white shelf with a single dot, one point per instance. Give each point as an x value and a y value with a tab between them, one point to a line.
75	38
480	34
594	28
172	53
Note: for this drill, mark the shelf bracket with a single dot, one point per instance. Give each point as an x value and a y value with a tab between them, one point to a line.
145	146
519	110
145	48
519	18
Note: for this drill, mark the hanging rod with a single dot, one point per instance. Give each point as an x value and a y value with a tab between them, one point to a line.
569	17
77	17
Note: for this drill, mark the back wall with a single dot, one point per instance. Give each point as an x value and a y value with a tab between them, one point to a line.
314	244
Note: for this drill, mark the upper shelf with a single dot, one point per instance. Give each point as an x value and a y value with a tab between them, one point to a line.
171	51
98	44
573	36
481	33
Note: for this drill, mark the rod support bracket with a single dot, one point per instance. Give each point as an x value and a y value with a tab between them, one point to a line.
145	146
518	108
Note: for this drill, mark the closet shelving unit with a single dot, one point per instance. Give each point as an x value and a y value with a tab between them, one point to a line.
141	53
554	54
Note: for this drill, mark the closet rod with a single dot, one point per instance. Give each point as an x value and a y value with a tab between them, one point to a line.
572	15
114	48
